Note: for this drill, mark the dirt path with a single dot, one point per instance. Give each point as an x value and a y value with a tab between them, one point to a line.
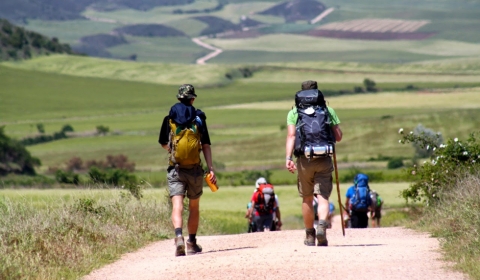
382	253
203	60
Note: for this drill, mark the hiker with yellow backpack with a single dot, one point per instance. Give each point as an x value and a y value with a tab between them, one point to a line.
184	134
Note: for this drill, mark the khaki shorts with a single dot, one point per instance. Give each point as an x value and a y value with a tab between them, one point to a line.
188	181
315	176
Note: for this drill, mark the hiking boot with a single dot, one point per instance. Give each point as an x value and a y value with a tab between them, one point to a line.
180	246
322	233
310	237
193	247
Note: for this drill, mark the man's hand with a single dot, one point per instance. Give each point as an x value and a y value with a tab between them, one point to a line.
279	224
291	166
213	178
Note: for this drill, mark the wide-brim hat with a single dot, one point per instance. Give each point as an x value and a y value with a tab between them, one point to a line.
186	91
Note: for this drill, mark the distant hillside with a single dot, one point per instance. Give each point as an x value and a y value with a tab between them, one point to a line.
21	10
18	43
217	25
150	30
296	10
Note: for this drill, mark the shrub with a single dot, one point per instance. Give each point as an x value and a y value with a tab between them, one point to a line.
75	164
67	177
67	128
423	149
40	128
102	130
395	163
14	157
448	162
370	85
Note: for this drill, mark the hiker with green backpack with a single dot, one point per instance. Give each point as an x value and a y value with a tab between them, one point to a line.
312	130
184	134
376	211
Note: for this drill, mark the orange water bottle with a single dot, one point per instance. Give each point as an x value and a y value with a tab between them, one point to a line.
212	186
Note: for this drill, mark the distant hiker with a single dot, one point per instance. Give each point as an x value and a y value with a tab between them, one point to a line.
359	201
312	130
376	212
263	207
331	212
184	134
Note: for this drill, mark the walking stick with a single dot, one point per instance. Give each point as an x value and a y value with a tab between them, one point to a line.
338	190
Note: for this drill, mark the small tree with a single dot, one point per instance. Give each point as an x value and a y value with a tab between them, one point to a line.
102	130
67	128
14	157
40	128
370	85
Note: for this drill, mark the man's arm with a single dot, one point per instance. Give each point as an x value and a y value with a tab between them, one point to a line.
290	142
277	213
207	153
337	132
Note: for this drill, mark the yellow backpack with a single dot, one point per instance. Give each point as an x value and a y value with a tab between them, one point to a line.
184	144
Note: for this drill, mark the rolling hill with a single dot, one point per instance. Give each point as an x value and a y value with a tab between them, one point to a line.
151	28
18	43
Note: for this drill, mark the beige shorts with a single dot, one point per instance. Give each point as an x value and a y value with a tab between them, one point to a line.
188	181
315	176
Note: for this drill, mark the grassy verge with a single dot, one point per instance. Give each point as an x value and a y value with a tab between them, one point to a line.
455	220
66	233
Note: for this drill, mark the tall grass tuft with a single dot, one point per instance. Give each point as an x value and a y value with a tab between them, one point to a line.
66	240
455	219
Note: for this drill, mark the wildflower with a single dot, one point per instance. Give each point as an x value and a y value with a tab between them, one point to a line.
456	139
400	131
433	195
473	161
465	153
428	147
434	148
400	141
446	171
424	162
411	132
442	145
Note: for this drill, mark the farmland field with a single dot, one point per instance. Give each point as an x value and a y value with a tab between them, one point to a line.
448	29
242	114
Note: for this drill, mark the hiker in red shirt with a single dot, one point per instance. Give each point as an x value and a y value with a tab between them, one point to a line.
263	205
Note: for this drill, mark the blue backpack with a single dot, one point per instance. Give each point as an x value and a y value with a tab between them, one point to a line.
361	199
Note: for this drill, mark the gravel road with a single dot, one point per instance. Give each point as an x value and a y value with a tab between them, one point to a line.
372	253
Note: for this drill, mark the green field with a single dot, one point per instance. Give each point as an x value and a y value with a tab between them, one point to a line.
245	116
227	198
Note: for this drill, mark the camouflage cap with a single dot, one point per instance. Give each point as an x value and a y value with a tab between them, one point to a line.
186	91
309	85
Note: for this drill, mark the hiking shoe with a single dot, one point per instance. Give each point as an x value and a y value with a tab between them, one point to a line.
310	237
193	247
179	246
322	233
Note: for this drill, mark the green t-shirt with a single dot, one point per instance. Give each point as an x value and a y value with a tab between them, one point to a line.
293	116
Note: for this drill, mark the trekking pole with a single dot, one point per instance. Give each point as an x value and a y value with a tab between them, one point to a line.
338	190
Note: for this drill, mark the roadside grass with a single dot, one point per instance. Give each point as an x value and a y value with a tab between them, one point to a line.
52	238
455	220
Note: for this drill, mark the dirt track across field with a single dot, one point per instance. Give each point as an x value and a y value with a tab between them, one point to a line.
372	253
